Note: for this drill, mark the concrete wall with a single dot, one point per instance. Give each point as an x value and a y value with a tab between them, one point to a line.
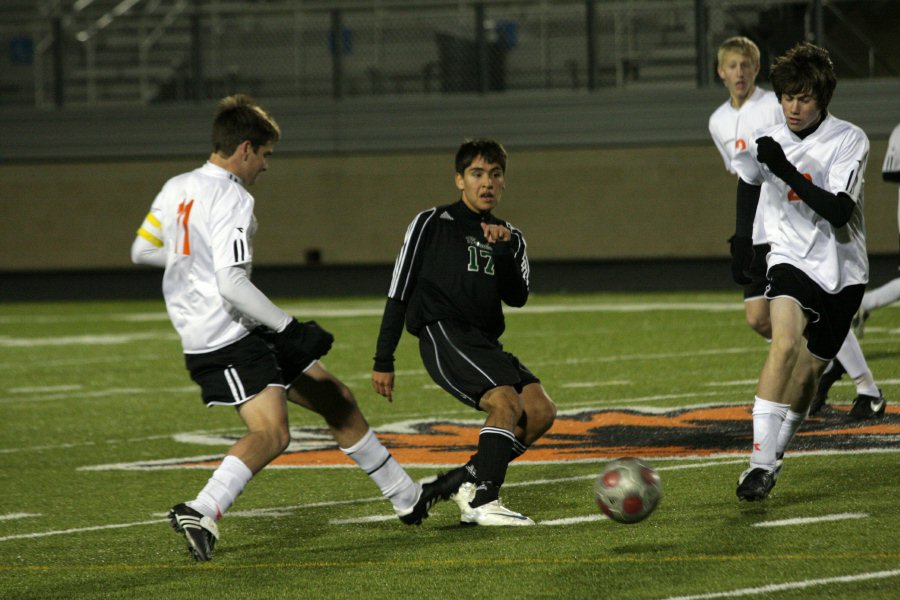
575	203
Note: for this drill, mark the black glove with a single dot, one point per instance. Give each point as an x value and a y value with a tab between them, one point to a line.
741	259
771	154
301	343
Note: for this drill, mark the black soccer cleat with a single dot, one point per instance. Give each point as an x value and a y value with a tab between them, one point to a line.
755	485
868	407
437	490
200	531
829	378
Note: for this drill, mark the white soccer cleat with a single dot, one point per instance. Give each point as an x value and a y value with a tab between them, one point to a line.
464	495
492	514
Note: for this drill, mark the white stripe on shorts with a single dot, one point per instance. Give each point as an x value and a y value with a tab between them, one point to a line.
235	384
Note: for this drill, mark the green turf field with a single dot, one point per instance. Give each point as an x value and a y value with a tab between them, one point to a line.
102	431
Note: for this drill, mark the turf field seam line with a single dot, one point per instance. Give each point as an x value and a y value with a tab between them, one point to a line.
795	585
530	561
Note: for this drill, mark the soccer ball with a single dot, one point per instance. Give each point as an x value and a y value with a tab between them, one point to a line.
627	490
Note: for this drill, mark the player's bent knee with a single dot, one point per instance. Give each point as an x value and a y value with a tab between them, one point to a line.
760	325
503	399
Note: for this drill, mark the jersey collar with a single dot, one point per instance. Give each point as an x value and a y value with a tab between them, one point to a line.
217	171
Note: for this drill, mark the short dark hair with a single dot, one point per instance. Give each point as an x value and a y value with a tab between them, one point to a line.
490	150
240	118
804	69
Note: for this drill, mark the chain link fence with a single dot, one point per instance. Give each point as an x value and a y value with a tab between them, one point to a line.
96	52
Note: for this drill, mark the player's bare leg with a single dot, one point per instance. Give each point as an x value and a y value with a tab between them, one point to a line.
538	414
266	419
757	313
265	416
775	392
323	393
788	323
479	502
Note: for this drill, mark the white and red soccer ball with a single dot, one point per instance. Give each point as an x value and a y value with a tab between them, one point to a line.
627	490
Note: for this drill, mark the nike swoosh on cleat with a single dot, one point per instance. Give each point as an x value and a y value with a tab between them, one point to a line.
520	517
876	406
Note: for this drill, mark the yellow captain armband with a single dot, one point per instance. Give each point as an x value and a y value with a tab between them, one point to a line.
151	218
150	237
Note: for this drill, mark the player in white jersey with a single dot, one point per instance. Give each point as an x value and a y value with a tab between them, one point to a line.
808	176
239	347
732	126
747	109
889	292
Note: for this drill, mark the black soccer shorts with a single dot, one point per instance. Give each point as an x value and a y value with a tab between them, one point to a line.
757	286
829	314
234	374
466	363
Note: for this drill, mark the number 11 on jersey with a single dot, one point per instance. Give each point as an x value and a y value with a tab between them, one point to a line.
184	216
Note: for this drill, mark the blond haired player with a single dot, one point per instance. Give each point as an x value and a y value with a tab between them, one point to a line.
747	109
240	348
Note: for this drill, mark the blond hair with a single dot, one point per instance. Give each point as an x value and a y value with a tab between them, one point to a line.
740	45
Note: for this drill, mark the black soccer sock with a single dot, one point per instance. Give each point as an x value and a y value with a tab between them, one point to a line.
518	449
495	447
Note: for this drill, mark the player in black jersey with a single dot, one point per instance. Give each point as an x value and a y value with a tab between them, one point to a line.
458	263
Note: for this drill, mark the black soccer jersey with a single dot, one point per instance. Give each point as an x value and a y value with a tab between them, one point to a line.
447	270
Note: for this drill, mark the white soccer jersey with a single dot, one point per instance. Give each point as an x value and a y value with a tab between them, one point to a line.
730	129
204	219
834	158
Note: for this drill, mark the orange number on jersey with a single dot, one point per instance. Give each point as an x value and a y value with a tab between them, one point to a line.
740	145
792	195
184	215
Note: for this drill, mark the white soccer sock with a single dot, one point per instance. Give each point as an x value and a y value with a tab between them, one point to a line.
767	420
882	296
851	356
789	427
223	488
373	458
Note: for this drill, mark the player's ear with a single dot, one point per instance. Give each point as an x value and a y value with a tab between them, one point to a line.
246	149
460	182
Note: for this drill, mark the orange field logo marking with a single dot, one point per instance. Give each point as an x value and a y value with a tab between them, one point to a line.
609	433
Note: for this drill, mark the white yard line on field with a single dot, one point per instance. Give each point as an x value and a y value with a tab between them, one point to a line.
14	516
794	585
102	393
377	309
44	364
574	520
811	520
593	384
280	511
25	536
84	340
126	441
